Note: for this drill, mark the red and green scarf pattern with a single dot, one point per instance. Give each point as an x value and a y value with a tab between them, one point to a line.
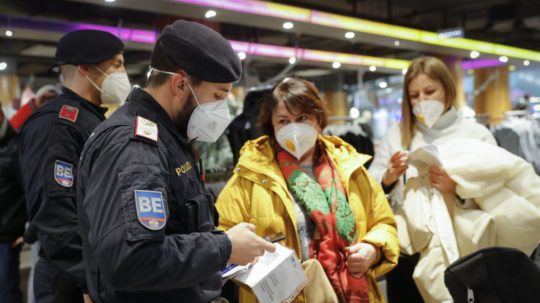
326	202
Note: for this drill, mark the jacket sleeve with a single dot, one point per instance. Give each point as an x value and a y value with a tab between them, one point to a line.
233	202
381	226
383	152
132	256
56	221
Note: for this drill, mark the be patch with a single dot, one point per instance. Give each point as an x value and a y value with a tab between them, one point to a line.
150	209
63	173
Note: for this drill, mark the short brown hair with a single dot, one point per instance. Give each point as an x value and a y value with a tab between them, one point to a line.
436	70
297	94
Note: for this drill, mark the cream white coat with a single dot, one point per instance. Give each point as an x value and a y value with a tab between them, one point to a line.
502	209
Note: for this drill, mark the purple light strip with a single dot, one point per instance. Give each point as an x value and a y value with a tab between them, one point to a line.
126	34
480	63
150	37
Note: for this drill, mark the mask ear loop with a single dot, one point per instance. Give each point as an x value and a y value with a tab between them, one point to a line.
193	93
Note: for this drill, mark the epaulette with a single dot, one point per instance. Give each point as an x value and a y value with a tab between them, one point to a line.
69	113
146	129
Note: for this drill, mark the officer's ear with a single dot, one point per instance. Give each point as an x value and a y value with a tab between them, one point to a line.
83	69
179	82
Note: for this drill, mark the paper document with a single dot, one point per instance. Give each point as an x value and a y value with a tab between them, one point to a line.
425	157
277	277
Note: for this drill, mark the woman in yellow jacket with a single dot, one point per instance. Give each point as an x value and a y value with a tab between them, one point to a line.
315	190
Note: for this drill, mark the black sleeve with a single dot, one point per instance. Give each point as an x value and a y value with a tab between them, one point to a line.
131	256
56	221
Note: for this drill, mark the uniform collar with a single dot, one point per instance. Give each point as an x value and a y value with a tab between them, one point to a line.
73	96
141	97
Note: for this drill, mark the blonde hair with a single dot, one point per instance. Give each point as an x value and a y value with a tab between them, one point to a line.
436	70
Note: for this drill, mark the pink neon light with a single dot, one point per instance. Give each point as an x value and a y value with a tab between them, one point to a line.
255	7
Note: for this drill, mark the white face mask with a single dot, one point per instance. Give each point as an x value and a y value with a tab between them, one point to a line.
297	138
428	112
115	87
208	121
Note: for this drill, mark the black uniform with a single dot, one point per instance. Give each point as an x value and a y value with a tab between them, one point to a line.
50	145
147	224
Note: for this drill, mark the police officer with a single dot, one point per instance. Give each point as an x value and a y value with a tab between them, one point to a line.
146	222
92	65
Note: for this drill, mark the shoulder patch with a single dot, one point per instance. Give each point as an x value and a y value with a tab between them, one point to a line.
146	129
69	113
63	173
150	209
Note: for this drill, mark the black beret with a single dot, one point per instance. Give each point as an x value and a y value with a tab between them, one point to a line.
201	52
87	47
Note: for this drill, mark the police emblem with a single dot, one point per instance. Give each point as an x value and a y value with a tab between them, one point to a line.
63	173
150	209
146	129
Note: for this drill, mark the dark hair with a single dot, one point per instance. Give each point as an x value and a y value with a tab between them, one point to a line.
161	61
298	95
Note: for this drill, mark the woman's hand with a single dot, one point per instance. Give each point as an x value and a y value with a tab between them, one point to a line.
360	258
440	179
398	164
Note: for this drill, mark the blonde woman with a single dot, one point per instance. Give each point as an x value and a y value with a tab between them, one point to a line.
429	116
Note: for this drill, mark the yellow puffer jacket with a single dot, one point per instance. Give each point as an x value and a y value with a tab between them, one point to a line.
257	193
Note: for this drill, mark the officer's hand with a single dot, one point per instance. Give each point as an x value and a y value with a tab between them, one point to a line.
246	245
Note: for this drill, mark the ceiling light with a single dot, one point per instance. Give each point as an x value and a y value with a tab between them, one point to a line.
526	62
110	1
9	33
512	68
3	65
354	112
383	84
242	55
349	35
288	25
503	59
397	43
404	71
372	68
336	65
210	14
475	54
292	60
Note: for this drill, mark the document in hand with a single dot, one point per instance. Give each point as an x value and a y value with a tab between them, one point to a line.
424	157
276	277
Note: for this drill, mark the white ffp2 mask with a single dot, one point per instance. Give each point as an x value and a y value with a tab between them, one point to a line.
297	138
428	112
208	121
115	87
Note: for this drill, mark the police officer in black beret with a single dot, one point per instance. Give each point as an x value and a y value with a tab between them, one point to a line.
92	66
146	221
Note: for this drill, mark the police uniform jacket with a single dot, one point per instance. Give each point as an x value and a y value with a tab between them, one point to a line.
147	224
50	145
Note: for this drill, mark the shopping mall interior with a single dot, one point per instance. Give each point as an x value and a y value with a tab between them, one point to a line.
356	52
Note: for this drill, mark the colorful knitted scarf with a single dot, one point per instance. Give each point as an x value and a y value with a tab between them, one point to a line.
326	202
